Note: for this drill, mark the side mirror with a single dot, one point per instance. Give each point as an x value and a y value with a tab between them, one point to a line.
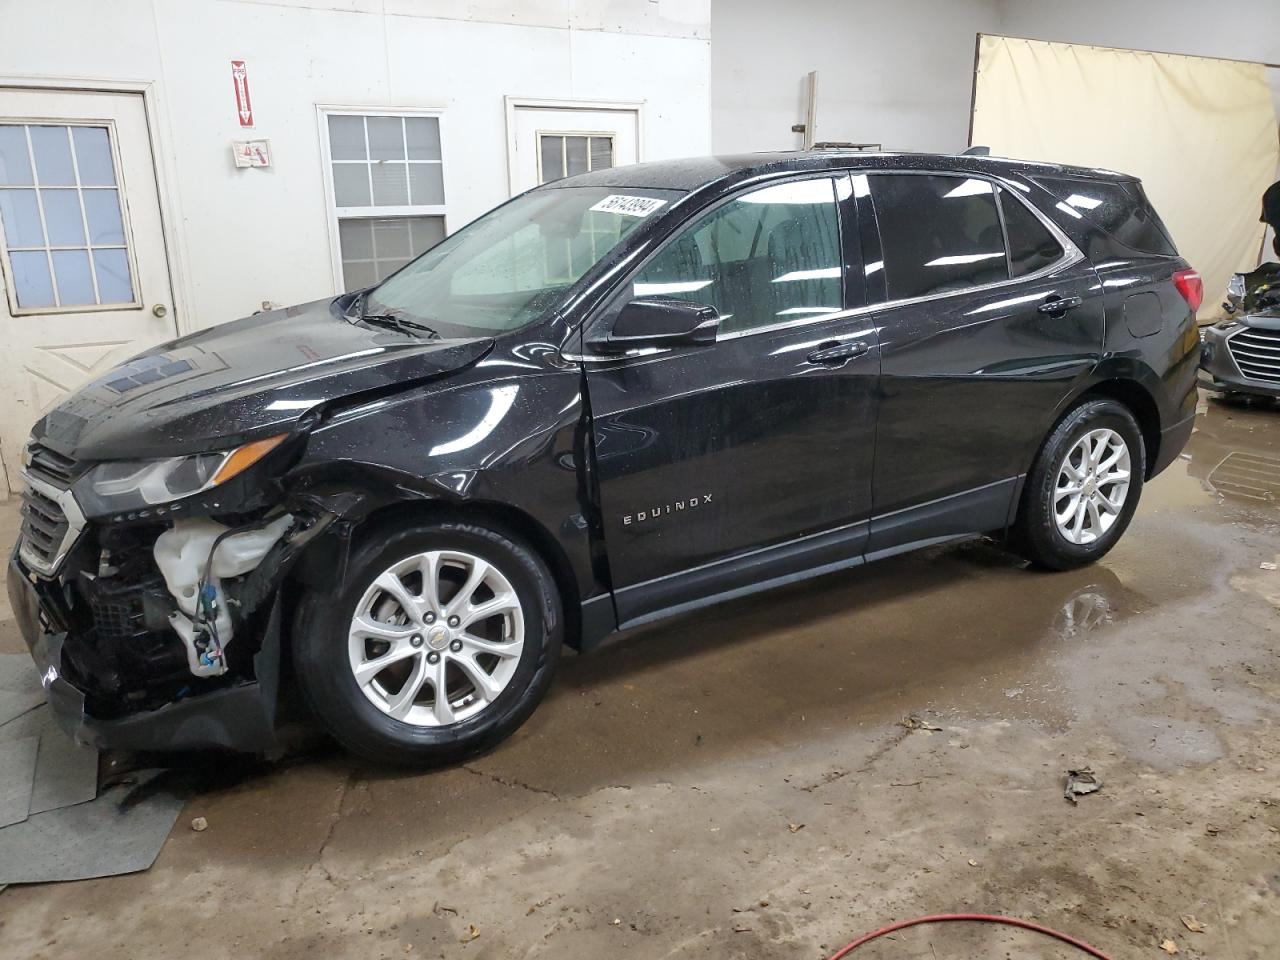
659	322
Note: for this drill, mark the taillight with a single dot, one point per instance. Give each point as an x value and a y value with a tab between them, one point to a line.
1191	287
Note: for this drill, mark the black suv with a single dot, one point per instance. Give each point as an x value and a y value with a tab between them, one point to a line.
614	398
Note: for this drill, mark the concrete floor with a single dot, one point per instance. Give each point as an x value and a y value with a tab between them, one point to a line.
737	783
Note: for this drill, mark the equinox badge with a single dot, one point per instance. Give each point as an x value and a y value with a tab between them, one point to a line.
640	516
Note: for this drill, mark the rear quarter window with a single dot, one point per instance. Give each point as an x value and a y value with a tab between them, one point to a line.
1120	209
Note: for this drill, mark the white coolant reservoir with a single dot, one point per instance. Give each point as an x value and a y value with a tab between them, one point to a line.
182	555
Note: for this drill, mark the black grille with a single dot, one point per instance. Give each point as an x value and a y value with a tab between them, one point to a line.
1257	353
44	526
51	467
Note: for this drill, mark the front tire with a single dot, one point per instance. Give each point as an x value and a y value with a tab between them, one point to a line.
441	643
1084	487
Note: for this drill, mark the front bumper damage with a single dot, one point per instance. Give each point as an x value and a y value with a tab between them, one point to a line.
129	660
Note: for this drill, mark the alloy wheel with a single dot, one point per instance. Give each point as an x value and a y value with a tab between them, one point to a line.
436	638
1092	484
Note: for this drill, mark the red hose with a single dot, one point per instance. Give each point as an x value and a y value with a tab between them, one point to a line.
975	918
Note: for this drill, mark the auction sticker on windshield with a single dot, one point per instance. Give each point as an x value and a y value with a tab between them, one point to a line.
628	206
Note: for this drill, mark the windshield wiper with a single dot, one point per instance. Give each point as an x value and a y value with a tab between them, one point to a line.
394	321
399	323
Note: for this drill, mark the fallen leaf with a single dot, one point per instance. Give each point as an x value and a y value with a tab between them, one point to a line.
973	863
916	722
1168	946
1192	924
795	827
472	932
1080	782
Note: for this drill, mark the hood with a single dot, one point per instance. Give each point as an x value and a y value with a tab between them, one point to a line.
250	378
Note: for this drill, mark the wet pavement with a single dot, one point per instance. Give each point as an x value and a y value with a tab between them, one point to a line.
738	782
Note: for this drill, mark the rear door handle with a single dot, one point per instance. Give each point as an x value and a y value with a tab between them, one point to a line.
835	353
1057	305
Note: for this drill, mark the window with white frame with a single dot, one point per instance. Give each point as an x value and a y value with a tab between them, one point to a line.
388	191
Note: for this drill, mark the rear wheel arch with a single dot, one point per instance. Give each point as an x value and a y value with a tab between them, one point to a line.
1130	393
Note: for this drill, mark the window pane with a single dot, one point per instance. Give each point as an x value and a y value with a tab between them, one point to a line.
31	279
93	156
351	184
1031	246
601	153
355	237
359	273
112	268
1119	208
53	156
62	217
424	137
346	138
764	258
390	184
102	208
938	233
75	285
391	239
15	165
427	232
21	218
387	267
386	138
575	155
426	183
551	151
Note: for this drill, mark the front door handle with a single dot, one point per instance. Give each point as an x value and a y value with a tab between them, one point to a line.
836	352
1056	306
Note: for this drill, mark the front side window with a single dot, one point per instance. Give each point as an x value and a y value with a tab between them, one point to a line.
387	177
766	257
937	233
509	267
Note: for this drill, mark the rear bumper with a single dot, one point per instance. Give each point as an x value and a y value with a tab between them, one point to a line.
239	717
1172	441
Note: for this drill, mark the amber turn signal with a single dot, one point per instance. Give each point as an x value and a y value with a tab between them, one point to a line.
242	458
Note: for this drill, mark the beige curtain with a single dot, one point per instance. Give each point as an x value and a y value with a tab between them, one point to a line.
1200	133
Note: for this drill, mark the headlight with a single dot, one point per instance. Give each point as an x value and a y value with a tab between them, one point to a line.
120	485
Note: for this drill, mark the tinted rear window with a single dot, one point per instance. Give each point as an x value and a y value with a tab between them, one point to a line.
938	233
1031	246
1121	209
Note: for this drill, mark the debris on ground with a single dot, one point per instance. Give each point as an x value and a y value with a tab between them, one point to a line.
916	722
199	824
1267	565
1168	946
1080	782
795	827
1192	924
472	933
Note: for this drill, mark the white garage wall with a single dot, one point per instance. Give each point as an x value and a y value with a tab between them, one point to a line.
900	74
245	236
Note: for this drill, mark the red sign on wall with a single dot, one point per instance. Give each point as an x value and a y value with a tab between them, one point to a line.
244	107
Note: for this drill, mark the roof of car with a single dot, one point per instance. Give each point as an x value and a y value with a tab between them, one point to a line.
694	172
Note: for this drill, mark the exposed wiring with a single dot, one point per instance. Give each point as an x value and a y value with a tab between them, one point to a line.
973	918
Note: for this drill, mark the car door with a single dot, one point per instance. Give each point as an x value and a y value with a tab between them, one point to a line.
727	466
989	316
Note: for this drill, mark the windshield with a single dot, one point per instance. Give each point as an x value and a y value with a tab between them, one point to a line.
507	268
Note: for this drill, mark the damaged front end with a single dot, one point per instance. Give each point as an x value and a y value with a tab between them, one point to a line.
148	593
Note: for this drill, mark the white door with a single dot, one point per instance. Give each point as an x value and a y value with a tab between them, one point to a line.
86	281
551	142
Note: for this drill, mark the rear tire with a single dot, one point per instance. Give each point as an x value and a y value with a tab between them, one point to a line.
1084	487
440	644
